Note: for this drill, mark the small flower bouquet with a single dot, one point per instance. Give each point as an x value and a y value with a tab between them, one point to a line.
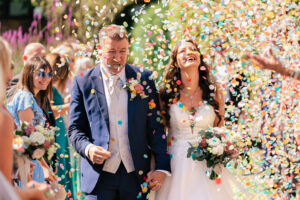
33	142
135	88
216	146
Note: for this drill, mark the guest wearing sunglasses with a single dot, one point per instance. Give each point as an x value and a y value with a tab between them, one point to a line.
31	50
32	92
29	100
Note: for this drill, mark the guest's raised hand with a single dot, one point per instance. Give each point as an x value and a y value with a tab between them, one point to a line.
265	62
98	154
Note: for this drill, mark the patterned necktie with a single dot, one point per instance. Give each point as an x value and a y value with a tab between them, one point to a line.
113	86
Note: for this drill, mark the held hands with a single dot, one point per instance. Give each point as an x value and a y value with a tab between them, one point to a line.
155	179
98	154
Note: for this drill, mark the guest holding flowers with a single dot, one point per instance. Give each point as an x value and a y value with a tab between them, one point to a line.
28	100
34	190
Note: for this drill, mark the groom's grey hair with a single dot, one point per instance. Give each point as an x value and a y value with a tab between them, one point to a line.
114	32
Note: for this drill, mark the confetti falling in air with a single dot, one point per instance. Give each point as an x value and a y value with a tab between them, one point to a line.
264	107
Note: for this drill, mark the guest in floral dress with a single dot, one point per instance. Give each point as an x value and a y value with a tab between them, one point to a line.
28	100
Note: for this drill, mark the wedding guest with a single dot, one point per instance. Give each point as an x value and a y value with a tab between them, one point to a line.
66	51
31	50
7	192
31	95
34	49
83	64
272	63
6	119
60	107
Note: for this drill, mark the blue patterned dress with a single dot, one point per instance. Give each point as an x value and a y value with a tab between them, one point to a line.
23	100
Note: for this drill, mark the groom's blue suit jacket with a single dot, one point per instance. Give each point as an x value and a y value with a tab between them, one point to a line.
89	123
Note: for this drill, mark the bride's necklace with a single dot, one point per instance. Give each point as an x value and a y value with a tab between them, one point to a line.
193	110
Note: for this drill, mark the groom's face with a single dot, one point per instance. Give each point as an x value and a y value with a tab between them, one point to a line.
115	54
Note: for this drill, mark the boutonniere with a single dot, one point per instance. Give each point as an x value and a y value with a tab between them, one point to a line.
135	88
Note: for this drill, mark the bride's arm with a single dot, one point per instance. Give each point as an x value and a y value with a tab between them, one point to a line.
219	96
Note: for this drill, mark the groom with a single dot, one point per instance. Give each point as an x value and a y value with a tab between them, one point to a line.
114	129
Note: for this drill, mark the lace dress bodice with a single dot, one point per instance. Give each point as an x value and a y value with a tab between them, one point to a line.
180	121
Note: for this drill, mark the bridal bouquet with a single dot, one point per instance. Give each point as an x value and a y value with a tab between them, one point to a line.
216	146
33	142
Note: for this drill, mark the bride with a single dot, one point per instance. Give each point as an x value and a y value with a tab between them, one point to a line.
191	102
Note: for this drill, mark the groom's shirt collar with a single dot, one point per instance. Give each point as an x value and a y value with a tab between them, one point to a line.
106	74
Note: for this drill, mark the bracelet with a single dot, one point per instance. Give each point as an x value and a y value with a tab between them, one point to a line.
295	74
291	73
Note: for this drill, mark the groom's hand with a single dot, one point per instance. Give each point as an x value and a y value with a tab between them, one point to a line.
155	179
98	155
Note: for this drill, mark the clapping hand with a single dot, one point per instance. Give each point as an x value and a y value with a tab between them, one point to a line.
98	154
155	179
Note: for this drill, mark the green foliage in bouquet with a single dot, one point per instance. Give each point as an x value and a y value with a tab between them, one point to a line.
215	147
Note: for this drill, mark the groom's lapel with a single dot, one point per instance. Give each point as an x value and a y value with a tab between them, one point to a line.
97	82
130	73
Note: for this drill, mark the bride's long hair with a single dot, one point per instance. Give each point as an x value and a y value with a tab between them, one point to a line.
169	91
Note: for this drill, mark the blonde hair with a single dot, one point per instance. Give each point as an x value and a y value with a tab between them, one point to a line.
65	51
82	64
5	64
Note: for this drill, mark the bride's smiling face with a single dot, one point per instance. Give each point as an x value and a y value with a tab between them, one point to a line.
187	56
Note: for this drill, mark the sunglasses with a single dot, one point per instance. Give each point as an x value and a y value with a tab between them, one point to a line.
44	75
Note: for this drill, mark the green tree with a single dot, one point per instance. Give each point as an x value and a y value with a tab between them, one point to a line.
149	39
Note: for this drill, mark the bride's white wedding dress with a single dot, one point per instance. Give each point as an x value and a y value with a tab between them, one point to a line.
189	180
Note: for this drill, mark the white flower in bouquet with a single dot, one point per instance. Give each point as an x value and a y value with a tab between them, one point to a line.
38	153
40	128
50	133
26	139
218	130
51	151
218	150
213	142
37	138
